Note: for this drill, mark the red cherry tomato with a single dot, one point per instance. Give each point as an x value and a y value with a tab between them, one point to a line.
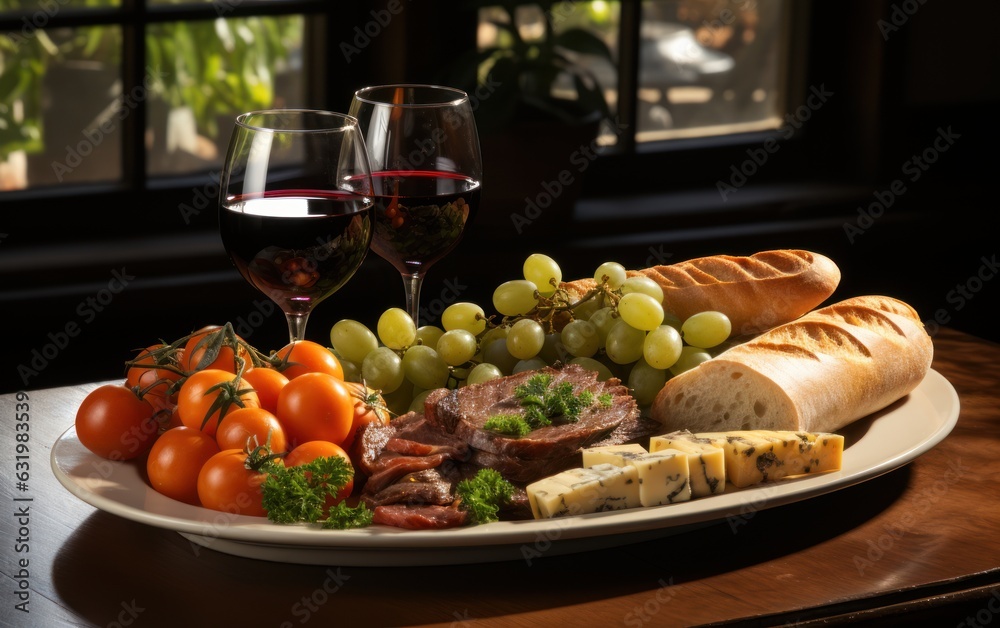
175	462
114	423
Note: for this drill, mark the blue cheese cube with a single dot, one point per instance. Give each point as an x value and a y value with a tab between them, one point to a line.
706	461
599	488
664	476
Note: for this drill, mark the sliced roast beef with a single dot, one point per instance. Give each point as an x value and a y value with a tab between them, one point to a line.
420	517
423	487
464	412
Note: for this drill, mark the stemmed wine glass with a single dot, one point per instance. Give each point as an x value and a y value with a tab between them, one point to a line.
423	146
295	206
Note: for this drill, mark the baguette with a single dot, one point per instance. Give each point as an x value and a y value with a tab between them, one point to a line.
817	374
757	292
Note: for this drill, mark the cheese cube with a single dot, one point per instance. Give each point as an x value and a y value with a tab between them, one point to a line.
756	456
706	461
579	491
610	454
664	476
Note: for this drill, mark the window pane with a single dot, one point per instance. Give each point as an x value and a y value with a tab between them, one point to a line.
61	107
203	74
710	67
706	67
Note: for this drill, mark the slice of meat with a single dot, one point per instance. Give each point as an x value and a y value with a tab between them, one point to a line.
464	412
420	517
423	487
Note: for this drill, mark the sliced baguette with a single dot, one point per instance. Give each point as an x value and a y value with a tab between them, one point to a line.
817	374
757	292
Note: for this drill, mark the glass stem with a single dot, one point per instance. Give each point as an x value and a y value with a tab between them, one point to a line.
411	283
296	325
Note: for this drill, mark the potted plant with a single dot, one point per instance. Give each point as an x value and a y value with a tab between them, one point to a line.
538	111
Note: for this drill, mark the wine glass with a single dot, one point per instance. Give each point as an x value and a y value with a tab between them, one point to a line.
423	146
296	206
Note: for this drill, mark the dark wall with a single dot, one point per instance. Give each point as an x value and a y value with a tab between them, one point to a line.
859	185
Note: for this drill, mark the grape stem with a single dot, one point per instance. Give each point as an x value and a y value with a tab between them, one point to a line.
549	308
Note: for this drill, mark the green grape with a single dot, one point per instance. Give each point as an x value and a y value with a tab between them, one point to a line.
417	405
396	328
531	364
544	272
603	320
483	372
624	344
464	315
643	285
515	297
425	368
352	340
553	350
640	311
382	369
492	334
498	355
398	401
706	329
603	372
525	339
586	309
669	318
645	381
580	338
690	357
662	347
352	371
614	272
429	335
457	346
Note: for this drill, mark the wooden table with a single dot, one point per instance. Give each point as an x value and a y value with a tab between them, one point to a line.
906	547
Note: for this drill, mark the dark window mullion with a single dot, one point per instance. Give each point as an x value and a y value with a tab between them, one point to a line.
134	93
628	73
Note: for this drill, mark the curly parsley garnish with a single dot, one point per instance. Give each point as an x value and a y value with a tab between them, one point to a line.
483	495
542	402
298	494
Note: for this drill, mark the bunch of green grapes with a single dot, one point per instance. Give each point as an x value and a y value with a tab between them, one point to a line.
618	329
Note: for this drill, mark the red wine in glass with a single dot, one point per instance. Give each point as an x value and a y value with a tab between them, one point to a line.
297	246
420	215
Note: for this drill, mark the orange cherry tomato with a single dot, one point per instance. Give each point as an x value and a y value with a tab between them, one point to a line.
175	461
316	406
268	382
306	356
152	373
215	347
206	397
115	423
369	407
226	484
311	450
248	428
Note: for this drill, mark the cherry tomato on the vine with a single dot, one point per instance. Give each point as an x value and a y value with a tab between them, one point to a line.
267	382
226	484
316	406
369	407
175	462
306	356
206	397
311	450
215	347
248	428
154	370
114	423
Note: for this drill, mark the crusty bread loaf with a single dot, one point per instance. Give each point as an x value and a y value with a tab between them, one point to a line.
756	292
816	374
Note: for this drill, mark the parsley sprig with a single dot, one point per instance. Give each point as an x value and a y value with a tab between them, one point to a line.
542	402
298	494
484	494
